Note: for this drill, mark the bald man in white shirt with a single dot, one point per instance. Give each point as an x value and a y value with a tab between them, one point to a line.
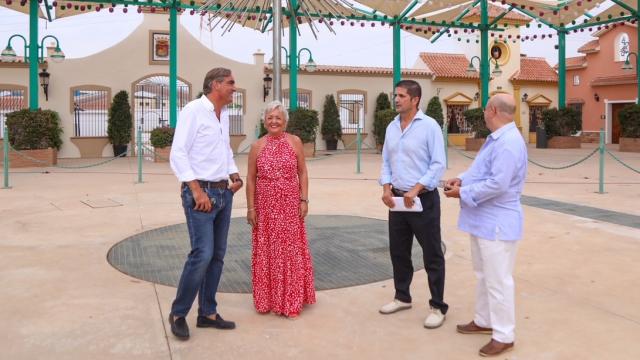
202	159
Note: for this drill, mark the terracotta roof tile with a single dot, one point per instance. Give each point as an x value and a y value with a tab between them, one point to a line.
614	80
495	11
577	62
590	47
448	65
534	69
370	70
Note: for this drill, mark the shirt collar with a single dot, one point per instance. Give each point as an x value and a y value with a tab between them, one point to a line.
496	134
208	104
419	116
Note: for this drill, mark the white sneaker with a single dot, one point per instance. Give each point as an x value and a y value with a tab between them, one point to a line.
395	305
434	320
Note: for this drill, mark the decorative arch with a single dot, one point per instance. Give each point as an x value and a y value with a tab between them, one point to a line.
621	47
458	98
539	100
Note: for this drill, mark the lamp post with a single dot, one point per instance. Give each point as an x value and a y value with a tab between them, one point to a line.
34	55
627	66
472	69
310	66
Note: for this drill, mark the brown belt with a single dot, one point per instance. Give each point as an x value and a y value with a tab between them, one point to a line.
222	184
397	192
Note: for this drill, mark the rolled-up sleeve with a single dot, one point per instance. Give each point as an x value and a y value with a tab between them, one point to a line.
185	133
437	165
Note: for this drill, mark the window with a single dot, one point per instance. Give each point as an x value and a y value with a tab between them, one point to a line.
576	80
12	98
535	117
577	107
351	106
455	119
90	108
621	47
304	98
236	113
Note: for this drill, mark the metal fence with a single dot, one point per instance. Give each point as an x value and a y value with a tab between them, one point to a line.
90	112
304	99
10	101
351	108
236	114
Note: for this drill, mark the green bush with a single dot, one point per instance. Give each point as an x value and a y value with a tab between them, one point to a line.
630	121
382	102
161	137
382	119
304	124
475	119
434	109
331	128
563	122
120	122
32	130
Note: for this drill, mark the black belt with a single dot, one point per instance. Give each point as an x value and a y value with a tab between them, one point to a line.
222	184
401	193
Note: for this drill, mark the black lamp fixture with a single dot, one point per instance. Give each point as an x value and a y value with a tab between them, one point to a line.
266	87
596	97
44	82
476	96
525	96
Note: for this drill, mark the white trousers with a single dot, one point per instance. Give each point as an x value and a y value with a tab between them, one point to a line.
493	262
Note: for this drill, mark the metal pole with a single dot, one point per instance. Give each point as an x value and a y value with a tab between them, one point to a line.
277	44
638	51
173	66
484	52
33	55
139	141
601	150
293	56
397	66
359	142
562	68
6	158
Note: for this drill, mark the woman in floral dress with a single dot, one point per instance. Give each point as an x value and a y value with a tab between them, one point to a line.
277	203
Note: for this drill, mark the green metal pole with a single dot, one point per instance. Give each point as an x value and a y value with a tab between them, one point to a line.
359	142
638	52
601	150
173	66
5	163
562	68
484	52
139	143
33	55
293	56
397	75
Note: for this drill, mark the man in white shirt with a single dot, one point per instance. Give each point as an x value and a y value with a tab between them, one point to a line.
202	159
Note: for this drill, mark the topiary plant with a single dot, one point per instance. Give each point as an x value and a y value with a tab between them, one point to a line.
434	110
162	137
31	130
120	122
563	122
304	124
382	102
475	119
382	119
331	128
630	121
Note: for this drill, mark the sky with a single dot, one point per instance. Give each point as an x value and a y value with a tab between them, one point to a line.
93	32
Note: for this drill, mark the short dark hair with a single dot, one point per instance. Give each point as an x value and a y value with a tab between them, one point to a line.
413	89
217	74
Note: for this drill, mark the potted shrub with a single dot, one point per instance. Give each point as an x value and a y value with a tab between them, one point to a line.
382	119
304	124
630	128
331	129
560	125
119	123
434	110
475	119
161	139
36	134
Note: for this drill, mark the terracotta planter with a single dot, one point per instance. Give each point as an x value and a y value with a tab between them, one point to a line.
629	144
161	155
309	149
564	142
473	144
350	140
379	148
332	145
43	158
90	146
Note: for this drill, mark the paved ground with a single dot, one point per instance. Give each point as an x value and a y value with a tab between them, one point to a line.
578	287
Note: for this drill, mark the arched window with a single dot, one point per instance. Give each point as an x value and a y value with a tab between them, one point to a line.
621	47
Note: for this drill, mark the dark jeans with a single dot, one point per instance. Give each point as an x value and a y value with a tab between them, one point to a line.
425	226
203	268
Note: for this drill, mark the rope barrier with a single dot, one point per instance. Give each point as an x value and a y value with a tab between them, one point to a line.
542	165
622	162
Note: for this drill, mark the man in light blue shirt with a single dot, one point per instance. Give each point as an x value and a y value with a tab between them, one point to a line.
413	161
491	213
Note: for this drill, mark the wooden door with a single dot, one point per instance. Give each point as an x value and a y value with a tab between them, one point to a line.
615	122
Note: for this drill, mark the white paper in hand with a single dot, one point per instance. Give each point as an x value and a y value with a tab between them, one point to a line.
399	205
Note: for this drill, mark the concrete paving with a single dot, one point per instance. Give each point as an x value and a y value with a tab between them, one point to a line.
578	287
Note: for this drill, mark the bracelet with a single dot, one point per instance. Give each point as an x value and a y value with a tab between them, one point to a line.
304	200
252	209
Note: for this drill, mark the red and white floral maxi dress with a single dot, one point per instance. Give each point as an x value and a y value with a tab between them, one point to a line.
281	263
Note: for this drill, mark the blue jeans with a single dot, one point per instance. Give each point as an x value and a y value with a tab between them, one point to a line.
203	268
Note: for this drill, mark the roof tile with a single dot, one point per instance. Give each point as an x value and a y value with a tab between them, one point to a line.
534	69
448	65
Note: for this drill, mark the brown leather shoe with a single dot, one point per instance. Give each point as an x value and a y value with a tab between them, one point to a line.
494	348
472	328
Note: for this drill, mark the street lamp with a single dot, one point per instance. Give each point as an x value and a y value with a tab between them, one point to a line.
44	82
9	55
471	69
310	66
266	86
627	65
